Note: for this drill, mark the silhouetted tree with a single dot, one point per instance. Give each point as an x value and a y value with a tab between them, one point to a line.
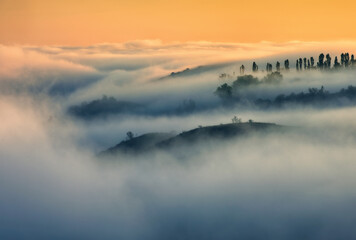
236	120
286	64
321	61
244	81
242	70
342	59
278	66
224	92
336	63
328	60
269	67
254	67
347	59
353	60
312	62
273	78
300	63
305	63
129	135
297	65
308	64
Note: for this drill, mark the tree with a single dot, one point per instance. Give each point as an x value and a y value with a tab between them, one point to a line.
308	64
236	120
278	67
300	63
305	63
321	61
224	92
342	59
244	81
336	63
353	60
254	67
286	64
297	65
242	70
312	62
129	135
347	59
328	60
269	67
273	78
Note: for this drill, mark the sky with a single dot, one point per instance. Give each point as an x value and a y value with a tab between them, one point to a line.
87	22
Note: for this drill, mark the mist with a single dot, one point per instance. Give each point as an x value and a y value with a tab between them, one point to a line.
293	184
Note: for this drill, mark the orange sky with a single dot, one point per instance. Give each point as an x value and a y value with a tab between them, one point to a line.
84	22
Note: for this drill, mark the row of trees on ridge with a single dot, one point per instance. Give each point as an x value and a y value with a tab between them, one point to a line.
324	63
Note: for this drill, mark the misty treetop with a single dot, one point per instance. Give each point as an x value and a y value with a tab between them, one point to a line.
103	107
108	106
314	97
227	92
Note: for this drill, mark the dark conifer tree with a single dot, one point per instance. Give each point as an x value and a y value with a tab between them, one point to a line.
286	64
321	61
342	59
347	59
278	66
297	65
300	63
328	60
254	67
305	63
308	64
336	63
312	62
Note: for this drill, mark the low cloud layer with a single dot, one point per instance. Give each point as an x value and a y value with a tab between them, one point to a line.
292	185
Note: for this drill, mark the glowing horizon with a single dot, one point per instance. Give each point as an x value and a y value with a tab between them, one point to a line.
90	22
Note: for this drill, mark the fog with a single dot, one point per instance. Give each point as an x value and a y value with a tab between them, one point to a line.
295	184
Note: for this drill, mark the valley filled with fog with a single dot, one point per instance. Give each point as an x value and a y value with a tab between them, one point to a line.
62	107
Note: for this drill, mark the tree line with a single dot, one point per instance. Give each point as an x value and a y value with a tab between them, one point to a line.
324	63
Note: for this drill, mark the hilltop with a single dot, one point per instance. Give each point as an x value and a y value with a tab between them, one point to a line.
169	142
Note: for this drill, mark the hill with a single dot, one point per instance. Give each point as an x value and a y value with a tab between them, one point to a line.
168	142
